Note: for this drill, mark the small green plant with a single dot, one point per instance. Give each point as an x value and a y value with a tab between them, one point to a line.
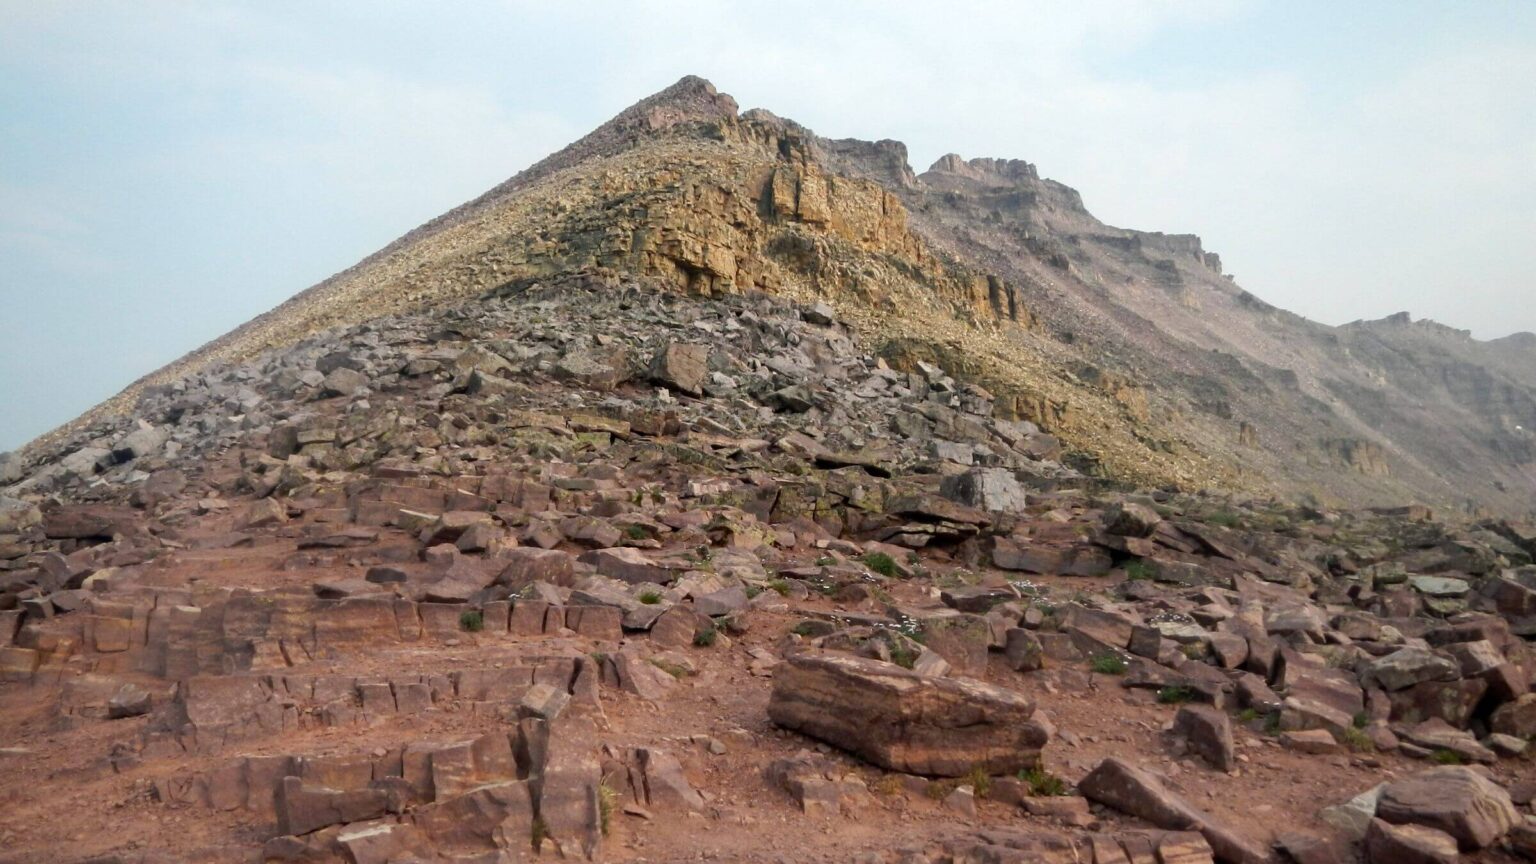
980	781
537	833
706	637
471	620
607	799
904	656
881	563
887	785
1224	518
1442	756
779	586
1193	650
938	790
825	561
636	532
676	670
1361	720
1247	715
805	628
1356	740
1108	664
1175	694
1272	723
753	591
650	598
1141	570
1042	783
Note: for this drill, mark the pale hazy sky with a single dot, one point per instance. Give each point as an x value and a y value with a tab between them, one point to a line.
169	170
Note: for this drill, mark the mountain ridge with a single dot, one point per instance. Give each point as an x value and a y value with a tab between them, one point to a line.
1133	346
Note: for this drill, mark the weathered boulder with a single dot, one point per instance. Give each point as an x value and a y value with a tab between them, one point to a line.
1207	733
992	489
1131	519
1386	843
1138	792
904	721
683	368
1454	799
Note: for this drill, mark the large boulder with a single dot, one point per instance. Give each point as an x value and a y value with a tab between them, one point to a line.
683	368
993	489
904	721
1454	799
1138	792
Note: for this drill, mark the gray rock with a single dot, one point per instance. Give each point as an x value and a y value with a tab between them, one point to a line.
991	489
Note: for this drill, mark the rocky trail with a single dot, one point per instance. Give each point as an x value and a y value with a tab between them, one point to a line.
594	571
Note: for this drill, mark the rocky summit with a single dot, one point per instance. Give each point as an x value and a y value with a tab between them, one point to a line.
715	491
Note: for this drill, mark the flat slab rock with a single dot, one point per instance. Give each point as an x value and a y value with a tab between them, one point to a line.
1455	799
1140	793
904	721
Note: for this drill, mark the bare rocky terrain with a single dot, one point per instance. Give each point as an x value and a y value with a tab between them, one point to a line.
714	491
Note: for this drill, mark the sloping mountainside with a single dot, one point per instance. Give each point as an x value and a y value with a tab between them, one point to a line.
1132	347
714	492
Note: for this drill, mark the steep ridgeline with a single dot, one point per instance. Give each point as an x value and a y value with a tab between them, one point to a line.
1133	348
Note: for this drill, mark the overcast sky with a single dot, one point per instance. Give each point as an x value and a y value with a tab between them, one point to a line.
169	170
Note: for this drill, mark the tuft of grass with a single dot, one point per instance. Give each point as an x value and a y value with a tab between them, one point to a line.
1272	723
881	563
676	670
650	598
779	586
1108	664
471	620
706	637
753	591
979	781
938	790
1357	741
1175	694
1141	570
1042	783
607	799
904	656
825	561
636	532
1442	756
1361	720
804	628
887	785
1224	518
1247	715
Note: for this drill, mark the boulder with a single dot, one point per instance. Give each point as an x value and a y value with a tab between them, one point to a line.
680	367
1207	733
1130	519
903	721
1136	791
991	489
1386	843
1406	667
1455	799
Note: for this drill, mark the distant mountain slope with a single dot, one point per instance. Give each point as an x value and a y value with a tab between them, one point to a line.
1132	347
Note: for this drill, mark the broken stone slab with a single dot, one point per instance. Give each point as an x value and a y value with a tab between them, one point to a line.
303	808
681	367
1406	667
628	564
1136	791
994	490
1455	799
1386	843
1206	732
904	721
